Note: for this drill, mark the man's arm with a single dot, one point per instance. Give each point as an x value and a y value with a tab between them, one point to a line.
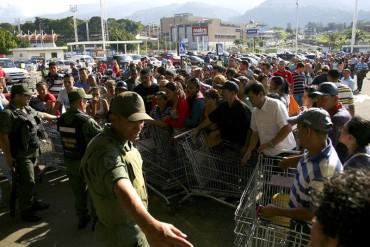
250	147
47	116
205	123
351	109
280	136
158	233
294	213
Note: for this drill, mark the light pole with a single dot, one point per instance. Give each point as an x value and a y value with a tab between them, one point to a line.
102	24
354	25
296	30
87	30
73	9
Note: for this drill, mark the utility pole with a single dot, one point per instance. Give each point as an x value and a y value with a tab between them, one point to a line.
297	27
18	21
354	25
73	9
102	24
87	30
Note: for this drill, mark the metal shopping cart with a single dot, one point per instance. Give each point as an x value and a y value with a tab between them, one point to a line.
51	147
268	185
163	162
215	173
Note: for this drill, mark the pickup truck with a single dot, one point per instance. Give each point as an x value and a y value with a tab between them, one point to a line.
12	73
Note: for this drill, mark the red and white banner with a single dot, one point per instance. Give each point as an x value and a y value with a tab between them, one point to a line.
200	30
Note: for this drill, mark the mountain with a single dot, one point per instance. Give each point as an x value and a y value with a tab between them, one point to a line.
153	15
281	12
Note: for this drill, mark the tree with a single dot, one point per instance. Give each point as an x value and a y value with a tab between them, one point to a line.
7	41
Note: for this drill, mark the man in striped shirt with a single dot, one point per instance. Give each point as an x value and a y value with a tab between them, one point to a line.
344	92
299	83
318	163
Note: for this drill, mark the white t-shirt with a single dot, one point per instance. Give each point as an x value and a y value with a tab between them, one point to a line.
63	99
268	121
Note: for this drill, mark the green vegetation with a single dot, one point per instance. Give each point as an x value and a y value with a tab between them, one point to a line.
118	29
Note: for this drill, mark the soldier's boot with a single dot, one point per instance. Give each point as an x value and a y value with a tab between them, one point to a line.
83	221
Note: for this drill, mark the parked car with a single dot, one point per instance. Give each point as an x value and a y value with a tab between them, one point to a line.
122	59
12	73
155	62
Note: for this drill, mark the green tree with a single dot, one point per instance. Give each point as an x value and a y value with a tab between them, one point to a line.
7	41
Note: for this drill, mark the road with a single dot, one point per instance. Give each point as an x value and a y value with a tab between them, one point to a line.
206	222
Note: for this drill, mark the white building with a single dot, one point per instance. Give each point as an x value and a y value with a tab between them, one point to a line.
45	52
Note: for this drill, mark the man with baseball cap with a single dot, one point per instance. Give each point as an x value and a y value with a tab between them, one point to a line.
112	167
20	142
327	98
318	163
232	117
77	129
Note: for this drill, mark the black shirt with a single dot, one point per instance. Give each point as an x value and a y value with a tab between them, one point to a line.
233	122
147	93
320	79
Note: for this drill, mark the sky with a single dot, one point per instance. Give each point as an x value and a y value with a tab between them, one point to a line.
29	8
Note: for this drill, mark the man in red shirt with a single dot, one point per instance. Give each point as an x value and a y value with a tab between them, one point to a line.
2	77
286	74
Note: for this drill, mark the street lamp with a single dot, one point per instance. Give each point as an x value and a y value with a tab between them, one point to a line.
73	9
354	25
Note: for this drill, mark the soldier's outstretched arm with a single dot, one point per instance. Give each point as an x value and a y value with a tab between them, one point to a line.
47	116
157	233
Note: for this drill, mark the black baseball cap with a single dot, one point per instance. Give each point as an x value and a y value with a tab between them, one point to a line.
327	89
316	118
231	86
20	89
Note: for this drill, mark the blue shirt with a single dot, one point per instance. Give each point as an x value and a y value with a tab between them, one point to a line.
311	174
85	86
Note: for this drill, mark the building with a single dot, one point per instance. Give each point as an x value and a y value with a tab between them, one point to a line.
199	33
45	52
41	45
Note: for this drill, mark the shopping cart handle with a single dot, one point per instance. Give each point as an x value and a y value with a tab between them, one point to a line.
183	134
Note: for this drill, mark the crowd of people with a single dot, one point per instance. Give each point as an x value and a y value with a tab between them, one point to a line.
273	108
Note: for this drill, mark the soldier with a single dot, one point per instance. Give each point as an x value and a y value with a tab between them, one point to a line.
19	140
77	129
112	167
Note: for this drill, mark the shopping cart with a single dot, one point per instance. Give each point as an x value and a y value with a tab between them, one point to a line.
163	162
51	148
268	185
215	173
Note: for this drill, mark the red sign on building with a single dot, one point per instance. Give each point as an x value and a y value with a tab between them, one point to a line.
200	30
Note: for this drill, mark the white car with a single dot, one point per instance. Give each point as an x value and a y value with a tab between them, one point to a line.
64	65
90	61
12	73
155	62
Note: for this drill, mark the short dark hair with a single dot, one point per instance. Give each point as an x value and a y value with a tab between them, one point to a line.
145	72
41	84
231	71
52	63
345	202
68	75
245	62
334	73
282	83
360	129
310	91
195	82
256	88
300	65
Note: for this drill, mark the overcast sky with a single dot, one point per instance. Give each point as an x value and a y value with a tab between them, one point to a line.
29	8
